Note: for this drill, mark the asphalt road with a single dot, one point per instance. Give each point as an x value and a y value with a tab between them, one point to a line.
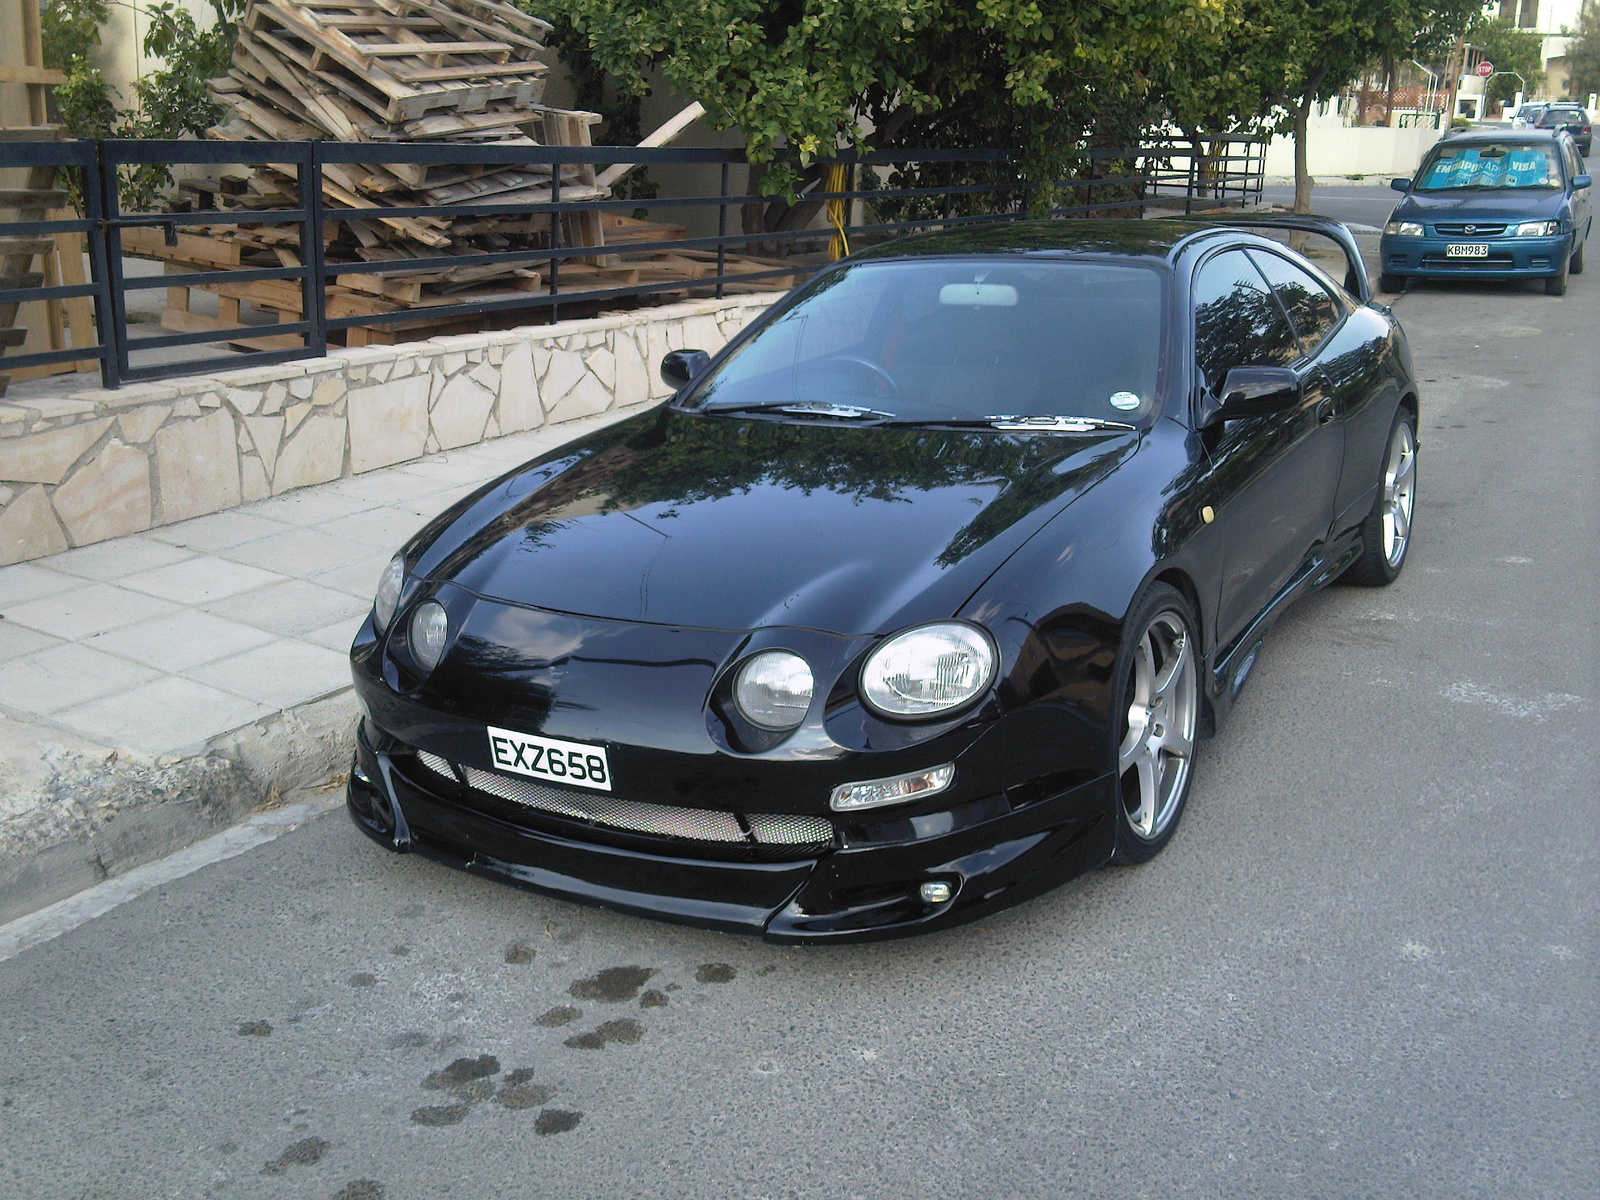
1365	967
1368	203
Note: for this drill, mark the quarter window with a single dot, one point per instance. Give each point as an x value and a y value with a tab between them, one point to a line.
1237	321
1312	309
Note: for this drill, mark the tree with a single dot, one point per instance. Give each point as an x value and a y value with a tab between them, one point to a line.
1510	50
1280	58
802	78
1583	53
171	102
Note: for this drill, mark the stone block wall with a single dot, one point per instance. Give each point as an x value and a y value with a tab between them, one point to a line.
102	464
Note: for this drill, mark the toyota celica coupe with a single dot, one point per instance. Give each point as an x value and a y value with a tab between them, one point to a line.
913	601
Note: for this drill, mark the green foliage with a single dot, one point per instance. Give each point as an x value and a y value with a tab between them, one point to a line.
1583	53
172	101
596	91
1280	57
803	78
1509	49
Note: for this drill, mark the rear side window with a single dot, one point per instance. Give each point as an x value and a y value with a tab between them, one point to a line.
1313	311
1237	321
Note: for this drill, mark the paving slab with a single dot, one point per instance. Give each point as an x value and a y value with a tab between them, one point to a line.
157	687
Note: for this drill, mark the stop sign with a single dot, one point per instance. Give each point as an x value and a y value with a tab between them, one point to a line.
1486	68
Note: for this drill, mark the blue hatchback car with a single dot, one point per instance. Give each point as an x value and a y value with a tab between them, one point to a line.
1491	205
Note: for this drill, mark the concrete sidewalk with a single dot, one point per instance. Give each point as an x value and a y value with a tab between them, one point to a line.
156	687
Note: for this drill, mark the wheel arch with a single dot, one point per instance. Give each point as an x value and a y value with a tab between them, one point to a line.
1179	580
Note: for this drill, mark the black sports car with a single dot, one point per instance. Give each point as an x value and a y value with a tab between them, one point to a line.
913	602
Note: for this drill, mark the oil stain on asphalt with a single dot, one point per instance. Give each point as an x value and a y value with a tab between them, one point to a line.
301	1154
611	986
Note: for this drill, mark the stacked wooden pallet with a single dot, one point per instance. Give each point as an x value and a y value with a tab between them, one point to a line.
383	72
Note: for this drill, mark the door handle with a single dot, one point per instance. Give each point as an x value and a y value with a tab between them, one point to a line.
1325	412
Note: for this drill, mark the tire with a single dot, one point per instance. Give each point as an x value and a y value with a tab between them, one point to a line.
1386	532
1157	707
1575	263
1556	285
1391	283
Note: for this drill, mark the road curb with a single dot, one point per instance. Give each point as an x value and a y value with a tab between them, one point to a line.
85	813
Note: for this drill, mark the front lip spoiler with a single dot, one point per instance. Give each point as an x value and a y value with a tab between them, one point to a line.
848	895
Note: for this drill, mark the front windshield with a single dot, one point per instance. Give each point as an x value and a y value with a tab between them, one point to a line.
1490	165
959	339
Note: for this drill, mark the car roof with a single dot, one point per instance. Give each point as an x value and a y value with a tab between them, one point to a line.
1523	137
1150	241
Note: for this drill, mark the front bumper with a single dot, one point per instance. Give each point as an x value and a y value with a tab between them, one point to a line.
1507	258
865	883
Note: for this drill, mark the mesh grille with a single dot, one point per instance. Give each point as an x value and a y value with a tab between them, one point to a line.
782	829
1457	229
435	764
701	824
665	820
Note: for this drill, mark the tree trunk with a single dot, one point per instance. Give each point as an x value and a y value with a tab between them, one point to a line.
1302	177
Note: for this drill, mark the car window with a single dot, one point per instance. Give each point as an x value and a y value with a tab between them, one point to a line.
1237	322
1561	116
1313	311
1490	165
960	339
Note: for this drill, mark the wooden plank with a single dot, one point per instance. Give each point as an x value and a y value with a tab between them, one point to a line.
407	50
24	197
33	75
191	248
181	321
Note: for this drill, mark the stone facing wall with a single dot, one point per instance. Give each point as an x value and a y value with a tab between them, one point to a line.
103	464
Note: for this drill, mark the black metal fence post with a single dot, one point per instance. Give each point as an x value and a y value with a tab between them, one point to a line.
314	286
99	269
555	239
722	233
116	339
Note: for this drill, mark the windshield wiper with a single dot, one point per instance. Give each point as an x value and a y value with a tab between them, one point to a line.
805	408
1011	423
841	412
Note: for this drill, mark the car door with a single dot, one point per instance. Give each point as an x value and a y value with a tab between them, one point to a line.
1580	198
1272	478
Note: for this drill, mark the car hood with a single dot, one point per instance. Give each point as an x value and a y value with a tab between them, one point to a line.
1486	207
720	522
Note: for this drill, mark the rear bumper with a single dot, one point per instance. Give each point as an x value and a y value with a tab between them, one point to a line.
1508	258
866	886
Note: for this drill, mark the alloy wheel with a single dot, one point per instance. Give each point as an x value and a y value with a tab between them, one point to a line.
1399	492
1157	751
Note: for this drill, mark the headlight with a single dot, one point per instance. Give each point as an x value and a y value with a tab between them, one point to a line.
429	629
930	669
773	689
1537	229
389	585
1403	229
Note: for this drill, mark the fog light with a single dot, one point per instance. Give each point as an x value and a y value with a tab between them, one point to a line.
937	893
871	793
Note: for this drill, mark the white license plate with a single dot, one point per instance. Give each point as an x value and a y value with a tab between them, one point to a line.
1466	250
574	763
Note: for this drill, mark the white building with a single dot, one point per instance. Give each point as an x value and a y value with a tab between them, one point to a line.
1554	19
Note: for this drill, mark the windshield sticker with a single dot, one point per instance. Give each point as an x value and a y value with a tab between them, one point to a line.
1126	401
1492	167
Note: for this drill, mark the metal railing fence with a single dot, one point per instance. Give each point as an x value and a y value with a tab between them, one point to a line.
890	190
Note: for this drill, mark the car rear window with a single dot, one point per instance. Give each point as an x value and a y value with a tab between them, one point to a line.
961	339
1562	116
1490	165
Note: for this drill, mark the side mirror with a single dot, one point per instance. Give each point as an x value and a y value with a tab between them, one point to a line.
1255	392
680	367
1581	181
1400	185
